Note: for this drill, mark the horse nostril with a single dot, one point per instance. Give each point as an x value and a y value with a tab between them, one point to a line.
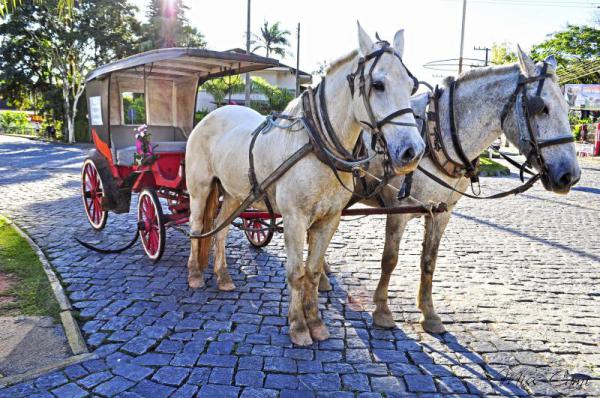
565	180
408	155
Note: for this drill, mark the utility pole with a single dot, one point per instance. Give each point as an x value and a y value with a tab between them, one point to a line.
248	80
298	63
487	53
462	37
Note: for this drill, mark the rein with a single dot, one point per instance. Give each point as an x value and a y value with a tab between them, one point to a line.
467	168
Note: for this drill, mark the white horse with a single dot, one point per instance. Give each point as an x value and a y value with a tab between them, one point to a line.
480	98
308	196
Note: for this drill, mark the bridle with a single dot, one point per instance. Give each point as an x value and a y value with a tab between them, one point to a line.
321	131
531	107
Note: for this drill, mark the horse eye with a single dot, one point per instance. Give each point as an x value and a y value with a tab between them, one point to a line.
378	85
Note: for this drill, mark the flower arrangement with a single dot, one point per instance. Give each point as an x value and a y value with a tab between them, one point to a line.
144	151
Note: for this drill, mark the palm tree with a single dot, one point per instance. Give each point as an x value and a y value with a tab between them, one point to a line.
272	39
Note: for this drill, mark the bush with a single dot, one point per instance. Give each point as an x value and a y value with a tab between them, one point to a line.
14	120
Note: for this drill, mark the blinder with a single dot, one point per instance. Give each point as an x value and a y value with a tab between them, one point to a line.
533	106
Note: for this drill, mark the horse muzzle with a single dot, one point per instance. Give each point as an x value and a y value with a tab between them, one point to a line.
406	156
561	177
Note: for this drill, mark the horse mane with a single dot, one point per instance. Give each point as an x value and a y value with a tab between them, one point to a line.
340	61
480	72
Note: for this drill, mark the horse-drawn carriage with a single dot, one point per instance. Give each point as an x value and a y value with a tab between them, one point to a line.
141	112
156	90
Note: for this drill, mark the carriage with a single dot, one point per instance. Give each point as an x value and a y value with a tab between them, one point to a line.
157	90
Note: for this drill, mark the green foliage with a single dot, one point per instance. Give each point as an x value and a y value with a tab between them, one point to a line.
571	46
137	103
272	39
223	87
11	119
46	56
502	54
168	27
277	98
201	114
32	289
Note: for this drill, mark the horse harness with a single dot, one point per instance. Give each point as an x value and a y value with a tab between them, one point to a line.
323	140
530	107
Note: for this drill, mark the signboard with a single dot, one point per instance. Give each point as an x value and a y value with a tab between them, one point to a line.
96	111
583	96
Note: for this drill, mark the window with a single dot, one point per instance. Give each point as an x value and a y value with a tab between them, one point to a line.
134	108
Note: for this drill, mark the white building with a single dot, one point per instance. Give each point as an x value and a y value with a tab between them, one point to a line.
282	76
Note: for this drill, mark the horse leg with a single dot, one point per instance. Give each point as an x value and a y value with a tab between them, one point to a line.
196	266
434	229
224	281
294	236
319	236
394	228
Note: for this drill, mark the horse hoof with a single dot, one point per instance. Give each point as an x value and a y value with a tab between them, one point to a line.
301	338
324	284
433	326
196	282
319	332
384	319
226	286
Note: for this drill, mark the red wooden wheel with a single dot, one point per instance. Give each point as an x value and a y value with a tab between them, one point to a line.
259	234
92	192
151	224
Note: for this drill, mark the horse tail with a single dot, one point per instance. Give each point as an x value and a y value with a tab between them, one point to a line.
210	213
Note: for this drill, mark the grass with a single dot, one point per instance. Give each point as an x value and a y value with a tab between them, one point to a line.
489	166
32	288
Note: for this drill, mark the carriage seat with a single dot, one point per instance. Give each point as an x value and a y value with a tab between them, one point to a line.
164	139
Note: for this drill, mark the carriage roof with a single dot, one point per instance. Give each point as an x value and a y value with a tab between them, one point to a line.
174	63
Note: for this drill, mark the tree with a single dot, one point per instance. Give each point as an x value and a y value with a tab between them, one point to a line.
63	5
575	46
321	68
502	54
167	26
44	52
272	39
224	86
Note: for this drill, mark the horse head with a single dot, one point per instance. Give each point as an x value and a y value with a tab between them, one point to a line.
541	127
381	87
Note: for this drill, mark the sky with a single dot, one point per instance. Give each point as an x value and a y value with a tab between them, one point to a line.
432	27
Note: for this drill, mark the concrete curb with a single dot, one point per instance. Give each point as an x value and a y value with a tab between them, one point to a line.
72	331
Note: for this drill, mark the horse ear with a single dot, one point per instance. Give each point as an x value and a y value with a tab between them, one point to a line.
364	41
550	60
399	42
527	64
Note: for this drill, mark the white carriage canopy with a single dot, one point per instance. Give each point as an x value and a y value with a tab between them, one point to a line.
157	88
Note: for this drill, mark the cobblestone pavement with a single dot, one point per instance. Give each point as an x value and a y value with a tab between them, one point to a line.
517	286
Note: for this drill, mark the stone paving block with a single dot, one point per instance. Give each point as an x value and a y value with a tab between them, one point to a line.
221	376
420	383
387	384
94	379
70	390
356	382
281	381
280	365
185	391
213	391
113	386
319	382
147	388
131	371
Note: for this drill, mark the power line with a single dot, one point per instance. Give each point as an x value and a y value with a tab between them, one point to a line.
543	3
